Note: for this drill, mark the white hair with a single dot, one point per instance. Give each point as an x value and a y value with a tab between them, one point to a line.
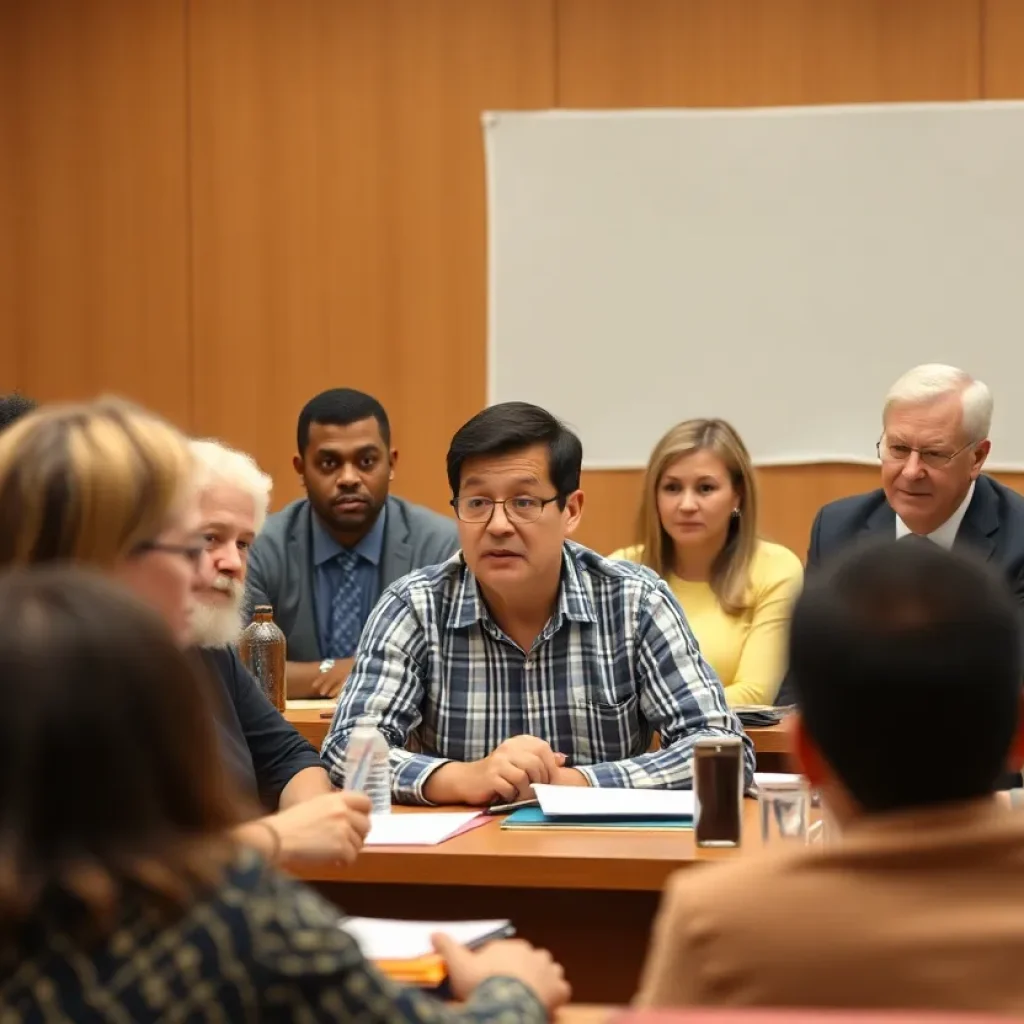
219	464
925	383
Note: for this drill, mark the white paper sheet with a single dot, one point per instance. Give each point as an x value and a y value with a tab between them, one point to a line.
767	778
311	705
416	829
592	802
382	939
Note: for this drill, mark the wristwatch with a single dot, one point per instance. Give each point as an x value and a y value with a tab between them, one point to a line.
326	665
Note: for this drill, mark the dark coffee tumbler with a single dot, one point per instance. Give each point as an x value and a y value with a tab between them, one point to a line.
718	791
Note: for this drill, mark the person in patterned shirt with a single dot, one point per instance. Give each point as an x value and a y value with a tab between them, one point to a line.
526	658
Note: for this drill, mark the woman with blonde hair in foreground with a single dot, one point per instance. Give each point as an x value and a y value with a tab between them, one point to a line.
122	895
697	529
108	485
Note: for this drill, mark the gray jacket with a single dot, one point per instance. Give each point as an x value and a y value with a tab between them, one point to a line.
281	564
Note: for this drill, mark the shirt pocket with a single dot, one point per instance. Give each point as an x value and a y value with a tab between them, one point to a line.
608	730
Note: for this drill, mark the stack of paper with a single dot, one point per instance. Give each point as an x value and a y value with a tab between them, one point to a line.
575	808
402	949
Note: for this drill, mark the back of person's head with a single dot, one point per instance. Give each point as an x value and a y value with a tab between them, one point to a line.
730	575
111	782
512	427
218	465
907	667
13	407
338	408
88	483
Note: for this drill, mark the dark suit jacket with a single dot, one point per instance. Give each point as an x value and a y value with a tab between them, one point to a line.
993	526
281	565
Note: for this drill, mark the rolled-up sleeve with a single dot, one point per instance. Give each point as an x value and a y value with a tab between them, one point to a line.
388	683
680	697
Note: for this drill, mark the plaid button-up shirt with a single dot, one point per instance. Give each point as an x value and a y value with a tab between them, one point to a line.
615	663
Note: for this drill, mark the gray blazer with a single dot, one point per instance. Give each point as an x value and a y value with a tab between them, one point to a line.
281	566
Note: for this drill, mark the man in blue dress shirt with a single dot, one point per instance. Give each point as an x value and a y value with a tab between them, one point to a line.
322	561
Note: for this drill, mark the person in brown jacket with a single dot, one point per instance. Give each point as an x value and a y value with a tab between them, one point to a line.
907	664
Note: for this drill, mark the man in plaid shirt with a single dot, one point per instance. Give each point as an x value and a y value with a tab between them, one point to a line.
526	658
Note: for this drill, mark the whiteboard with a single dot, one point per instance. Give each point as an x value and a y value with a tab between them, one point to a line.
779	268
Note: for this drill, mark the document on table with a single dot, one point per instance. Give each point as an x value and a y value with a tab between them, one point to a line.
578	802
382	939
768	778
326	704
416	829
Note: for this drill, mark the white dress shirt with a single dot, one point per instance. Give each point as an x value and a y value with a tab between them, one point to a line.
946	533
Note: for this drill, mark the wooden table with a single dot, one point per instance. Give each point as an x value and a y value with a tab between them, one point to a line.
772	743
582	1013
589	897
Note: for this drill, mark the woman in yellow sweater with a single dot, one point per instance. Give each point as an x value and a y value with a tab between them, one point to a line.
697	529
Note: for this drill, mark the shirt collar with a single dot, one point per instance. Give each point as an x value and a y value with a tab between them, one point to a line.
370	548
945	535
574	602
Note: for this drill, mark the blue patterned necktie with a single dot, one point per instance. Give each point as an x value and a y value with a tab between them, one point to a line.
346	611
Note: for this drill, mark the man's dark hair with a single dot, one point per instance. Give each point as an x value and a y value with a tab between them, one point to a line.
339	407
13	407
907	666
511	427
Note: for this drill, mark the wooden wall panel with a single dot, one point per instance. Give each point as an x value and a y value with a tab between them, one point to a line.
338	179
1003	50
663	53
313	172
12	205
98	178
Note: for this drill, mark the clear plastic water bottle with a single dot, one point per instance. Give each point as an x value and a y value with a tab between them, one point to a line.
366	764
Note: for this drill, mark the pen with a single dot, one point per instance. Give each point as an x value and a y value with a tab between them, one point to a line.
507	808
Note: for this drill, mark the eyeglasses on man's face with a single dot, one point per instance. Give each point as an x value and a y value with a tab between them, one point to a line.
525	508
192	553
932	458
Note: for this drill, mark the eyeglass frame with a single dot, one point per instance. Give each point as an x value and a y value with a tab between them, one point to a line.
544	502
193	554
922	452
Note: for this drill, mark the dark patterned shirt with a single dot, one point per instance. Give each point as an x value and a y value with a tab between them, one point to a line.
261	947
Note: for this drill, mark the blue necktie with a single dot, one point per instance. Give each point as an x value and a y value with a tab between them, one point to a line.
346	610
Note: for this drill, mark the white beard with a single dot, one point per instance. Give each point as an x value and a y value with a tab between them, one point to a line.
219	625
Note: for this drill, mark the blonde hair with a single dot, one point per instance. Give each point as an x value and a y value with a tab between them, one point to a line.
88	483
219	464
929	381
730	571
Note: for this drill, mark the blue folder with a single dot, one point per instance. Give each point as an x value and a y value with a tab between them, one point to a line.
527	818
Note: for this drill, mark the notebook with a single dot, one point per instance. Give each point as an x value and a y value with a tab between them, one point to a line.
591	803
402	949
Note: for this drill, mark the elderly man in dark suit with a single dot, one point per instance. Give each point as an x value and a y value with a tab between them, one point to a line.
322	561
934	443
933	446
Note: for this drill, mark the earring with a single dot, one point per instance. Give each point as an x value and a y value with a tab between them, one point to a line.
736	513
